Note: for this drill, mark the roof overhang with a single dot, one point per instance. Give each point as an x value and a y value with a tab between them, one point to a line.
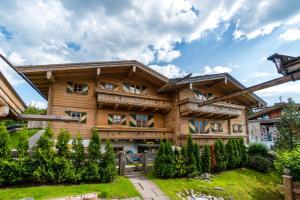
11	105
42	75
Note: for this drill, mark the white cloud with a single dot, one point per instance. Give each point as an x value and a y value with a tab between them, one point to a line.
290	89
170	71
290	35
262	74
38	104
167	56
217	69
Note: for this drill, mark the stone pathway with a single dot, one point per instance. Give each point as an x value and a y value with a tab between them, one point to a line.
146	187
33	139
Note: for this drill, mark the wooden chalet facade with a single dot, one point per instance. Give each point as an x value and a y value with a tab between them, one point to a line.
135	106
11	105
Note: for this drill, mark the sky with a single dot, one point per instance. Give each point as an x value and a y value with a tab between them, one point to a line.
172	37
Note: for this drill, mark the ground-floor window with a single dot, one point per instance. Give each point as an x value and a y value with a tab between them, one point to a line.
237	128
216	127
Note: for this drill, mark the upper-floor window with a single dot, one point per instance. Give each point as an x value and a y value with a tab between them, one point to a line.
198	126
109	86
216	127
80	115
134	89
79	88
202	95
141	120
117	119
237	128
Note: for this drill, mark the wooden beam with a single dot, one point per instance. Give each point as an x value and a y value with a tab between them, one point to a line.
50	76
98	71
143	108
47	118
191	86
4	111
292	77
130	107
132	70
116	106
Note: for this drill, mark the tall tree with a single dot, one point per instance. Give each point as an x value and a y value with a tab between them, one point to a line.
191	168
220	155
4	140
94	148
230	151
288	127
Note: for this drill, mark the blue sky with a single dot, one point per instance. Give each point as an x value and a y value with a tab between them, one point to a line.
173	37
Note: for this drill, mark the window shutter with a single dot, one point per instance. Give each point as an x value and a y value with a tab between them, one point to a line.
110	119
70	88
83	118
102	86
132	120
116	87
150	121
143	89
123	119
68	112
196	94
85	89
206	126
126	87
192	126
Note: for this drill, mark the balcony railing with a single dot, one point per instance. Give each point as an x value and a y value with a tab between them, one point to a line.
132	101
190	107
133	133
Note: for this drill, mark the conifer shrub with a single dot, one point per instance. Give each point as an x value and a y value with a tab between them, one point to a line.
180	167
236	152
243	153
108	164
94	148
4	141
191	167
62	143
198	159
257	149
78	152
220	155
231	156
206	159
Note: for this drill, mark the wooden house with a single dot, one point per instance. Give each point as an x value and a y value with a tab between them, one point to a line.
11	105
135	107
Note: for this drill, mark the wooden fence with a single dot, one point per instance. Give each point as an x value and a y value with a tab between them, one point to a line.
291	188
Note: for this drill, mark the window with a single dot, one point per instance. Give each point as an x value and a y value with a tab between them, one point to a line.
117	119
202	95
77	88
82	116
216	127
109	86
134	89
199	126
141	120
237	128
75	114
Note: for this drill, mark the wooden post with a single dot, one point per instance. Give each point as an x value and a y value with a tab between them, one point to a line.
122	163
145	162
288	187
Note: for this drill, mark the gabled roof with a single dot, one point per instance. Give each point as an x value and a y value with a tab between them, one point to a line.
176	83
37	74
269	109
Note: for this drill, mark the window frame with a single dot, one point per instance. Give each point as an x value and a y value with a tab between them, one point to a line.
141	120
109	86
117	120
218	129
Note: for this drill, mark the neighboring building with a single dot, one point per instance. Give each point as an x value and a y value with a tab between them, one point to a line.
262	124
11	105
135	107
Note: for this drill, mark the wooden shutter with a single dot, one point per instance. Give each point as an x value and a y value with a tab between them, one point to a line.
116	87
68	112
192	126
206	126
126	87
70	88
150	121
83	117
123	119
132	120
143	89
110	119
85	89
102	85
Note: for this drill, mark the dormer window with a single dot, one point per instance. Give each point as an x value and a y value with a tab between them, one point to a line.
79	88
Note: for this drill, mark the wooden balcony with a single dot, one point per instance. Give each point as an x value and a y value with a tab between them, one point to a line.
132	133
122	100
189	107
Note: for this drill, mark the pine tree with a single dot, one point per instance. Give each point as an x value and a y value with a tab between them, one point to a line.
198	159
108	164
179	164
23	144
191	169
220	155
159	160
62	143
94	148
243	153
78	154
237	152
206	159
4	140
170	161
231	159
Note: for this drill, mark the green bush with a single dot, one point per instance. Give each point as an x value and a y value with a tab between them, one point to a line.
62	143
257	149
243	153
259	163
191	166
220	155
108	164
10	172
63	170
236	152
206	159
230	151
94	148
23	144
198	159
91	172
290	160
78	154
180	166
4	140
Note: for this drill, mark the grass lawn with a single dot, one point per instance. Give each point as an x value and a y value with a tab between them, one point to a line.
120	188
14	137
240	183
